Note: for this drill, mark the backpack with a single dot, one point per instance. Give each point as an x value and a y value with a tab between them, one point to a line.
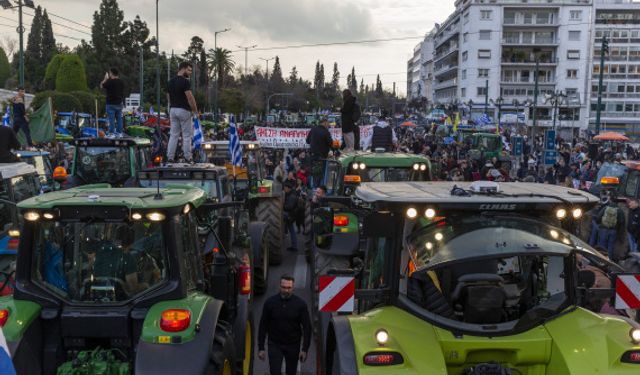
609	217
357	112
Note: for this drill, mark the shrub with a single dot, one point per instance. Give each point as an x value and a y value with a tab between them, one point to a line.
49	82
5	68
86	99
71	75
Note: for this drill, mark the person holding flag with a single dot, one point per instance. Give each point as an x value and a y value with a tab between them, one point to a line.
20	118
197	135
183	108
456	123
6	118
234	144
6	364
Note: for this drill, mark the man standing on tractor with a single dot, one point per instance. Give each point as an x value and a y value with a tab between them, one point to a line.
183	107
383	136
348	123
114	88
284	322
320	142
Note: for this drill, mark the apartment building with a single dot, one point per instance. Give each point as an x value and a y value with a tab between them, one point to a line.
420	70
619	22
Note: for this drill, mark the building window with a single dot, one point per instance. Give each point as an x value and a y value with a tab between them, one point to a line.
485	34
465	55
483	73
575	15
465	37
484	53
464	74
574	36
573	54
482	91
463	92
572	73
485	14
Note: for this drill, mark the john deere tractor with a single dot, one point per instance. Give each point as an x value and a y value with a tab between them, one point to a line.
475	278
118	281
250	184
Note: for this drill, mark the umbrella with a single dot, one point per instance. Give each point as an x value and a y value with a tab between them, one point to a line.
408	123
611	136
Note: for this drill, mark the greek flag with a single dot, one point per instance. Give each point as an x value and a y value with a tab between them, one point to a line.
234	143
6	118
151	111
6	365
197	134
485	119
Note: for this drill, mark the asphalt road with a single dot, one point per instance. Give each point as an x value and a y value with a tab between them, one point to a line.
296	265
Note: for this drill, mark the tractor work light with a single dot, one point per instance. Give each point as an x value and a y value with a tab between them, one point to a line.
155	216
635	335
48	215
175	320
4	316
428	245
208	146
355	166
554	234
423	167
576	213
136	216
31	216
363	166
439	236
416	166
14	233
561	213
186	209
382	336
430	213
412	213
251	146
609	180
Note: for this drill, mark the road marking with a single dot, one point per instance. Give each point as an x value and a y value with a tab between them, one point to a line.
300	272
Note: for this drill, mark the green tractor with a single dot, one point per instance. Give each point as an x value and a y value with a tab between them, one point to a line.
485	146
115	161
475	278
118	281
217	185
250	184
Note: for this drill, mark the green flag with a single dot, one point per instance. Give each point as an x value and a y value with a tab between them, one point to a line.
41	125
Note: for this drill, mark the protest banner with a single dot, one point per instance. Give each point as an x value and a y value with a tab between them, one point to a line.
297	137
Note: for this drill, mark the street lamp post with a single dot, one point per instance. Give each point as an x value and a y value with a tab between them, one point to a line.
555	99
246	63
6	4
158	71
267	79
498	103
215	79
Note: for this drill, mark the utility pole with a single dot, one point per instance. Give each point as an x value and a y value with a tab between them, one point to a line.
141	78
246	63
486	97
215	78
158	71
604	49
267	76
6	4
535	102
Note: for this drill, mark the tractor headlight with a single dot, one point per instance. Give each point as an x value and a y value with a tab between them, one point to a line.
136	216
635	335
14	233
430	213
155	216
382	336
561	213
363	166
577	213
423	167
416	167
355	166
31	216
412	213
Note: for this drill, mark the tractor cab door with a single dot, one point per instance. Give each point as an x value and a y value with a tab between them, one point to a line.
630	184
332	177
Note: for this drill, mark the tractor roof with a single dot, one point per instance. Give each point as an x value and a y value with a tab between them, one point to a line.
382	159
184	171
441	193
111	142
104	195
10	170
30	154
225	143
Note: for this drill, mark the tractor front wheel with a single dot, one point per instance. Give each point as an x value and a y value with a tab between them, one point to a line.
261	269
269	210
223	358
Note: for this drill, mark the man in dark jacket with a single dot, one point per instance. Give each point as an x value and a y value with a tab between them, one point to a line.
320	143
383	136
8	142
289	207
20	118
284	322
633	224
347	115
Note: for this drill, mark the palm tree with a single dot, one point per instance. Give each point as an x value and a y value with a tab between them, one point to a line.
220	64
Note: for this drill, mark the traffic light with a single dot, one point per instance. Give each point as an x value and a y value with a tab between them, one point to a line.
605	45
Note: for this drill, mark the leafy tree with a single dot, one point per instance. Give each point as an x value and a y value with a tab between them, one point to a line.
277	82
293	76
353	83
316	78
379	92
220	64
108	42
33	51
5	68
62	102
362	90
71	75
49	47
86	99
51	72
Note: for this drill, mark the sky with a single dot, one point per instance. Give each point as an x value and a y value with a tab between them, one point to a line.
276	23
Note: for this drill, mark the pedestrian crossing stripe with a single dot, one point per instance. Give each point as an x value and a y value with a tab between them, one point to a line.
337	293
627	292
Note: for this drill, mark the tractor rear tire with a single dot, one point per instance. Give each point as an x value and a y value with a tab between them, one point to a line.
269	210
223	357
261	269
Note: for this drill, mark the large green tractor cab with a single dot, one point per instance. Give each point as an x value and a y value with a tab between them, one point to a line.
218	187
116	281
485	146
114	161
18	181
478	278
42	163
250	184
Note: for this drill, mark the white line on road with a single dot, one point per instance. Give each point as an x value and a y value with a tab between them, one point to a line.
300	272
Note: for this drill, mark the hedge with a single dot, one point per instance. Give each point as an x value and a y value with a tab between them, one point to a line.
71	75
5	68
87	100
62	102
51	73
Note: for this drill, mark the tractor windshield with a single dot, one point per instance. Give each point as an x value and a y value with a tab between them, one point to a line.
24	187
374	174
483	269
103	164
99	262
42	164
486	143
209	186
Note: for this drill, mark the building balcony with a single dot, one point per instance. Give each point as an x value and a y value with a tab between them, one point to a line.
445	53
515	22
527	62
445	84
527	81
616	95
445	69
530	42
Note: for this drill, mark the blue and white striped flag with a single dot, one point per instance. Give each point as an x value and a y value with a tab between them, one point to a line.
234	143
6	365
485	119
197	134
151	111
6	118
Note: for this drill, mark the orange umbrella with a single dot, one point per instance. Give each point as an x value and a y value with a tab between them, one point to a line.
611	136
408	123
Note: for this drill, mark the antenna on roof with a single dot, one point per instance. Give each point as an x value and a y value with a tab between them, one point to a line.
158	195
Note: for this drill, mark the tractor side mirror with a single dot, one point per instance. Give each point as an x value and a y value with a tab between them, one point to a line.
323	226
586	278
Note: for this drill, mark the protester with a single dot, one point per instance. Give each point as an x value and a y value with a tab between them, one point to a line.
633	224
610	221
8	142
347	115
286	327
290	205
20	118
114	88
183	107
383	136
320	142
